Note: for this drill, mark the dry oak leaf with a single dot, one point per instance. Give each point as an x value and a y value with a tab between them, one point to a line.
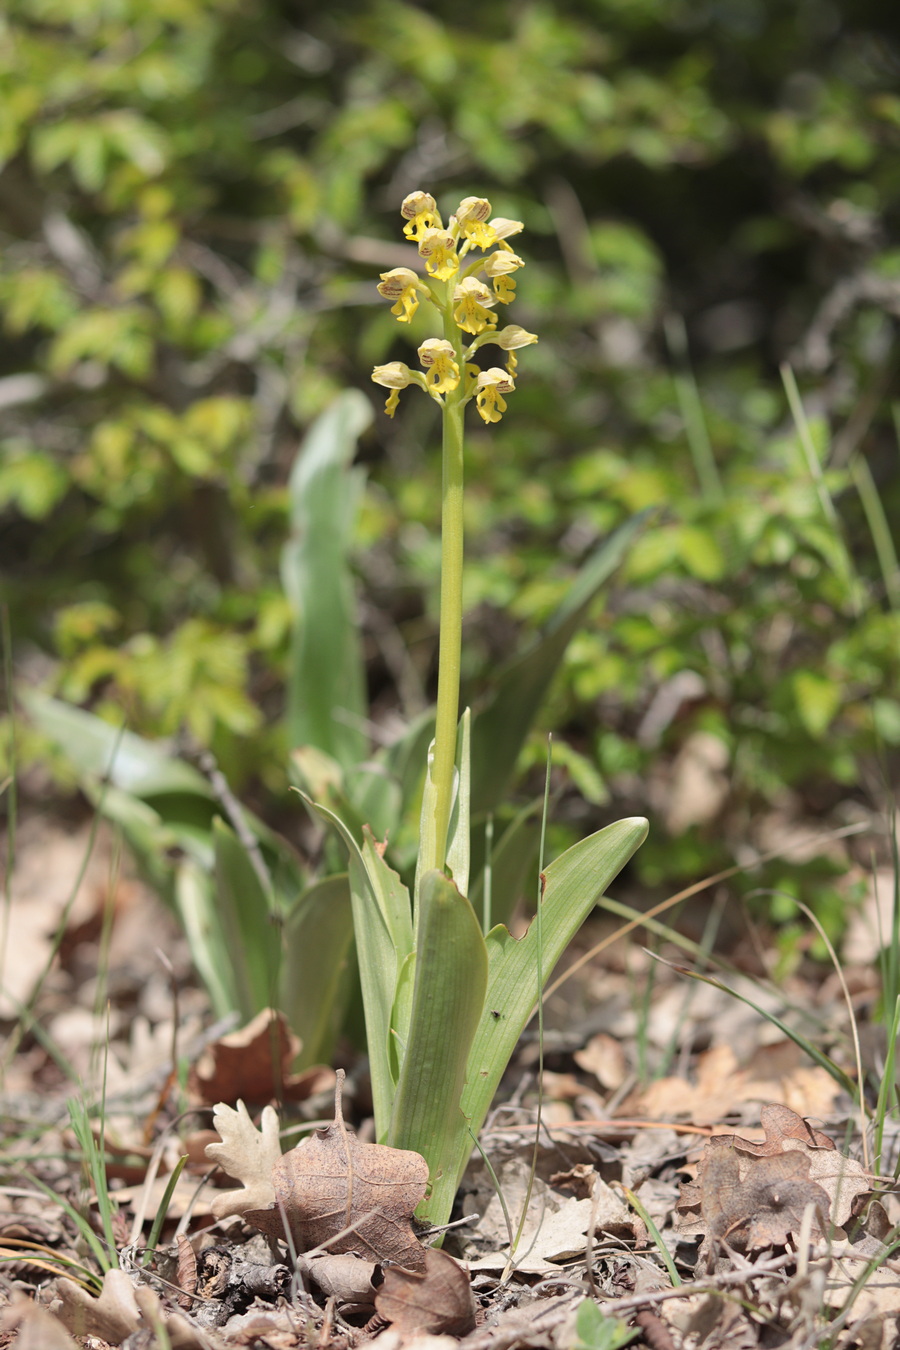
331	1183
247	1154
437	1300
254	1064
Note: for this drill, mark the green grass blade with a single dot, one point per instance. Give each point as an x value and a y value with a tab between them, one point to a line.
326	688
448	997
572	886
820	1058
318	936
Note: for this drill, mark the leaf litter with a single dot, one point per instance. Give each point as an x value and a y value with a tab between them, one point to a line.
770	1232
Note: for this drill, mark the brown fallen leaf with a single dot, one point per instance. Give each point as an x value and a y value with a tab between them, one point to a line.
331	1182
762	1203
437	1300
254	1064
112	1316
782	1126
247	1154
37	1329
801	1165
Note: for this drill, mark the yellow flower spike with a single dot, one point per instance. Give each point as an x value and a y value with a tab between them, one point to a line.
438	248
473	302
420	210
441	369
402	285
472	218
492	385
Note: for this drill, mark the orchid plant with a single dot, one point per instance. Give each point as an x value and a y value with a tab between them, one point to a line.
444	1002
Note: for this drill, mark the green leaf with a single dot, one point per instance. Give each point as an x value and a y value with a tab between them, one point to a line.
513	865
382	923
595	1331
195	901
326	689
244	913
448	996
500	729
318	937
572	885
141	767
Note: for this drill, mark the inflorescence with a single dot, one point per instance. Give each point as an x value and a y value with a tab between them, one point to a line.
465	301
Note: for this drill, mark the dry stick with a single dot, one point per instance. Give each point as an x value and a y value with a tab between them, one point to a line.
688	891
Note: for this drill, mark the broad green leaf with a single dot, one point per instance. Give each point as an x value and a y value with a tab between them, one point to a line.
448	997
573	884
326	689
499	731
141	767
318	938
252	938
382	924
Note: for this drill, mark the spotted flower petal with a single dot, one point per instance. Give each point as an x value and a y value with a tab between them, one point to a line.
441	368
438	248
421	213
492	384
401	285
472	218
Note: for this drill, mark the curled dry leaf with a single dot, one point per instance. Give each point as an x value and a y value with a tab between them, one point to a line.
437	1300
247	1154
331	1183
254	1064
344	1277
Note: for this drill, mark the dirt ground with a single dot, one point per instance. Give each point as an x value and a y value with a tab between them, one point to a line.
688	1175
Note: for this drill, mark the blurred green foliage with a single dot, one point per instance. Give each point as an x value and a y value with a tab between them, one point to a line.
195	201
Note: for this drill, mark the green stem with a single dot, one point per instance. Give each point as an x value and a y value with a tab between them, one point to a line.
449	651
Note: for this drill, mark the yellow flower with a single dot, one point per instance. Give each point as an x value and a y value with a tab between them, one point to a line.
396	375
498	267
401	285
471	216
512	337
438	248
503	227
420	210
442	371
492	385
473	301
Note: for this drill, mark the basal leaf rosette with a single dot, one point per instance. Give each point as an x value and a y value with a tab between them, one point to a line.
466	290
